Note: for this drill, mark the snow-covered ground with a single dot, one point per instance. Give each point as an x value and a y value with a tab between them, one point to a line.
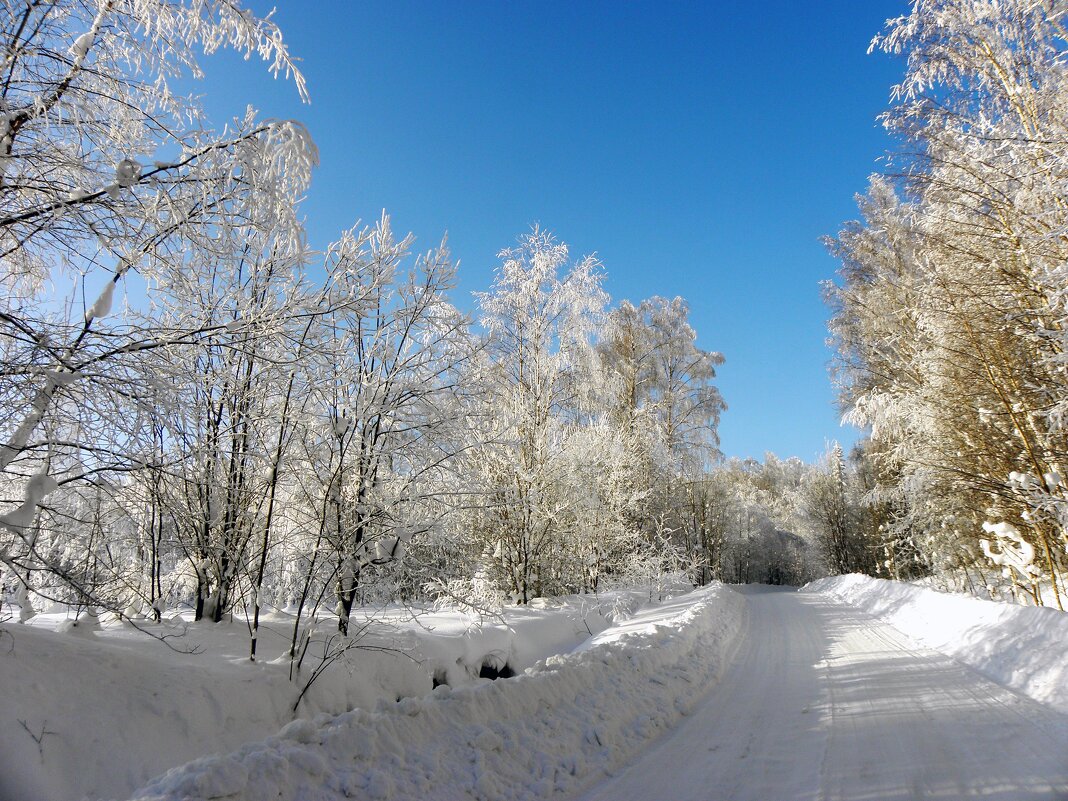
854	688
98	712
1025	648
561	723
826	703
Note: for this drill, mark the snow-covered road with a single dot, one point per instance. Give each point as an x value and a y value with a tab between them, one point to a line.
825	702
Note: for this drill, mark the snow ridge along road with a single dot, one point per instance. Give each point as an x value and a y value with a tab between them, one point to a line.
1022	647
826	702
546	732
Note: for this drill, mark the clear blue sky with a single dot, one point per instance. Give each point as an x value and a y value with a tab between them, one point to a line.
700	149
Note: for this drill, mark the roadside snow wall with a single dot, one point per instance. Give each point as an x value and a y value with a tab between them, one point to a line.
1020	647
556	727
98	711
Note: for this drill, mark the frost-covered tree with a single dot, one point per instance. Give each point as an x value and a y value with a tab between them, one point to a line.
657	386
660	379
705	523
749	521
111	181
230	400
387	389
950	314
832	507
540	317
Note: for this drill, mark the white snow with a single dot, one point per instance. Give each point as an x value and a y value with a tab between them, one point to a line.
82	44
21	517
127	172
757	694
102	306
1024	648
118	708
552	729
826	703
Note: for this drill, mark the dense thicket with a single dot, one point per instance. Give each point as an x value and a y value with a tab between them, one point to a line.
951	309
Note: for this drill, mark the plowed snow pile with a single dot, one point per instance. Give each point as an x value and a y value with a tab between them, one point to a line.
92	711
1021	647
557	726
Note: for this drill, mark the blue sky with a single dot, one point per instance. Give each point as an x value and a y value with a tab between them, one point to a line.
700	149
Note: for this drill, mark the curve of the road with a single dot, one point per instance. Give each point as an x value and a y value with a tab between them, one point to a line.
825	702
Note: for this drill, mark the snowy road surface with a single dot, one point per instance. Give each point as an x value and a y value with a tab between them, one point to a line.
825	702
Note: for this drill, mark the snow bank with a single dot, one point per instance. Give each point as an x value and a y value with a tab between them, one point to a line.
556	727
101	713
1024	648
453	647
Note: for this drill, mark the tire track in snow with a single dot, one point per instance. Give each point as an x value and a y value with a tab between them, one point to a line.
826	702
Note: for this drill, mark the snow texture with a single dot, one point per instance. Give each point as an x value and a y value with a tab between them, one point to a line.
113	708
1023	648
127	173
822	702
102	306
21	517
563	723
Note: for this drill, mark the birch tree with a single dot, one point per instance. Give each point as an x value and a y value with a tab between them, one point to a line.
950	315
111	180
387	392
540	316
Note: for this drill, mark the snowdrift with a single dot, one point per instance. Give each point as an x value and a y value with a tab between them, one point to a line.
560	725
1023	648
98	711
